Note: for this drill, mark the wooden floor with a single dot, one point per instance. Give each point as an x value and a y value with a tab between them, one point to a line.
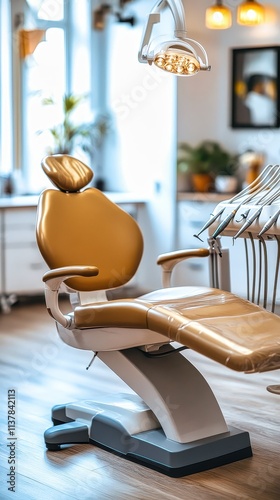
43	372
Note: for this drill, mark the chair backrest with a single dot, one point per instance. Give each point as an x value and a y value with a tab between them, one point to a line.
77	226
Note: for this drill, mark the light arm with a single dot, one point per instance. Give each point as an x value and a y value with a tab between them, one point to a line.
154	18
177	11
177	56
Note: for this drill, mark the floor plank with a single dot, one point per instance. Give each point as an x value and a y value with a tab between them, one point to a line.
43	371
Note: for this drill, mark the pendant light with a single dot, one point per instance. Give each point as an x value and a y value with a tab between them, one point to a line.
218	16
250	13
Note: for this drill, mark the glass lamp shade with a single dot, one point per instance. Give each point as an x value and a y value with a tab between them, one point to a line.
218	17
250	13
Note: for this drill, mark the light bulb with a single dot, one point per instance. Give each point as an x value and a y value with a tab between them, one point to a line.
178	62
218	17
250	13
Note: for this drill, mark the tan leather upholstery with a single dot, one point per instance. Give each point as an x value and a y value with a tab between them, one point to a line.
87	231
86	228
67	173
215	323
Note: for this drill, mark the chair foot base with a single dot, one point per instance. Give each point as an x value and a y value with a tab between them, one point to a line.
153	450
150	447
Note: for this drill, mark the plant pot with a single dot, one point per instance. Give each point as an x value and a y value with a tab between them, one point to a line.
183	182
226	184
202	183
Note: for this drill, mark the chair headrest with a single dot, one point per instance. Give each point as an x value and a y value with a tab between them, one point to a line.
66	172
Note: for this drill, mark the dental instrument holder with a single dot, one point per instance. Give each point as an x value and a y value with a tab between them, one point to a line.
219	264
252	216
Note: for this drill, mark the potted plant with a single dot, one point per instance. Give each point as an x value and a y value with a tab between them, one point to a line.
67	135
226	179
183	174
204	163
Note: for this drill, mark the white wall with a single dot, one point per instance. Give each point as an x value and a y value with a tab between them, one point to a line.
142	152
204	101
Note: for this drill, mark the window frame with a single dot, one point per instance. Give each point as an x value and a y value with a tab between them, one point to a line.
21	11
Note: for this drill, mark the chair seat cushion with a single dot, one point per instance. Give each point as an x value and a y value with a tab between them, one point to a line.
215	323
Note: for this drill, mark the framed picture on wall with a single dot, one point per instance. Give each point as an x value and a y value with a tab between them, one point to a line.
255	87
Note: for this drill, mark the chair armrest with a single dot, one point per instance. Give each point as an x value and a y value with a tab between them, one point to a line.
168	261
53	280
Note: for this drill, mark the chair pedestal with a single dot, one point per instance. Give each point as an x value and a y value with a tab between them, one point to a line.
173	389
175	425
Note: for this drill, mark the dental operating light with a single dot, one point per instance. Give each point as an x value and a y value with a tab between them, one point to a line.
179	55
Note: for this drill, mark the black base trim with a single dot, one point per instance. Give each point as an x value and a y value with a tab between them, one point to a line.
184	470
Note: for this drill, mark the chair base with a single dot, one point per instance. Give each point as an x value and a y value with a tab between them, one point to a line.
115	431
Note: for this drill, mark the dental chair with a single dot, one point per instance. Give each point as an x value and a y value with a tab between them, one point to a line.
171	420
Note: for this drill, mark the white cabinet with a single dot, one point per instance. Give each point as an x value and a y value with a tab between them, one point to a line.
191	217
22	252
23	266
192	214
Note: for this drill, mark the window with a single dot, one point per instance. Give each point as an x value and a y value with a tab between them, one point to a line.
72	55
37	73
44	77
